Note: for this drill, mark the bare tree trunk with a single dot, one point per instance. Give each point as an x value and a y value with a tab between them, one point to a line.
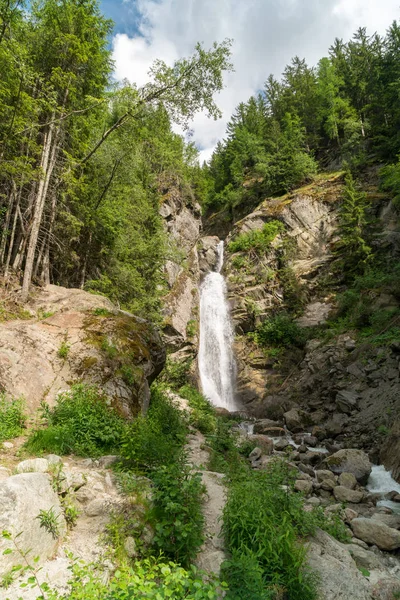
4	236
17	213
46	166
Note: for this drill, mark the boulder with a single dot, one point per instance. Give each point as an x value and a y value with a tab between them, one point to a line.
347	480
337	572
263	442
101	340
33	465
392	521
346	401
281	444
296	420
352	461
301	485
255	454
22	497
344	494
375	533
263	425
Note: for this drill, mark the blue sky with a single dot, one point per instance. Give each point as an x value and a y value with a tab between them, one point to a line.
266	33
124	14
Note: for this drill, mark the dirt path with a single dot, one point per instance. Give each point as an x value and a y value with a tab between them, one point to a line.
212	553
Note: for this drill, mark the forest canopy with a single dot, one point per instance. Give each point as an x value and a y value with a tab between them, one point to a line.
82	160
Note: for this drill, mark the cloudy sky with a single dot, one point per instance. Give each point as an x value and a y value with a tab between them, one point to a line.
266	33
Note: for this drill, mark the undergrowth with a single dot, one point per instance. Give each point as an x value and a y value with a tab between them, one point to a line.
12	417
80	423
259	240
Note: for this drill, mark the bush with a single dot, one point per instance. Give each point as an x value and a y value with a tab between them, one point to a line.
177	514
259	240
280	330
175	373
12	418
81	423
157	438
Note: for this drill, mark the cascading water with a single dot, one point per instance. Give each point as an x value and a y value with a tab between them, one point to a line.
216	361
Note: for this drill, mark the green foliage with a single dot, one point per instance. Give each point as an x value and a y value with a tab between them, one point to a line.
157	438
49	521
244	577
352	248
263	520
359	307
147	579
390	181
202	414
175	373
63	350
12	417
177	513
81	423
280	330
109	349
259	240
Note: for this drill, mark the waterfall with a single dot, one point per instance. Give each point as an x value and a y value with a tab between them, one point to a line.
216	361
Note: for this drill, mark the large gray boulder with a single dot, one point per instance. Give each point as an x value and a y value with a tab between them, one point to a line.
337	572
376	533
22	497
350	460
344	494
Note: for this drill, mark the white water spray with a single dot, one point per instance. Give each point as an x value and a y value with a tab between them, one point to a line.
216	361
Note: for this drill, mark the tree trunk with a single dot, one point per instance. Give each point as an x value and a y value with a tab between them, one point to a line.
4	236
46	166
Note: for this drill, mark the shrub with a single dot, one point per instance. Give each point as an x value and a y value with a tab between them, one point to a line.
81	423
259	240
157	438
280	330
12	417
63	350
177	513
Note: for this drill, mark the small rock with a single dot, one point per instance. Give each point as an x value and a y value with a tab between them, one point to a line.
322	474
313	501
302	448
96	507
303	486
255	454
347	400
130	547
53	459
263	442
311	441
8	445
350	514
347	480
328	484
281	444
344	494
364	558
33	465
306	469
296	420
264	425
107	461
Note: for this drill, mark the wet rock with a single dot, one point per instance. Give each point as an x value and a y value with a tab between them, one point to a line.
344	494
350	461
374	532
263	425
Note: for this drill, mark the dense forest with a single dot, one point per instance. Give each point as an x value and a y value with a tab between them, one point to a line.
344	112
83	161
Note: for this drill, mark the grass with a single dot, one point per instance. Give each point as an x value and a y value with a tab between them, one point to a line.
12	417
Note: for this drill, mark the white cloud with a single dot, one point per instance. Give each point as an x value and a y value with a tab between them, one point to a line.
266	33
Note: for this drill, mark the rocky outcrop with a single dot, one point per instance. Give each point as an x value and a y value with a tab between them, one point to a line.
182	222
390	450
75	336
